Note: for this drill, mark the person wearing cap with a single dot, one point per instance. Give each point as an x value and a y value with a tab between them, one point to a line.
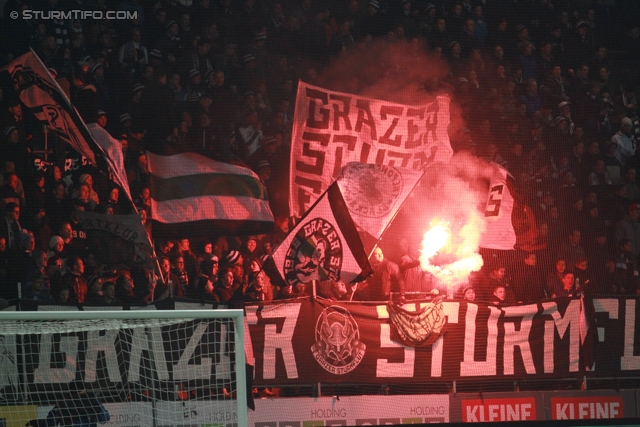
102	119
170	43
626	147
194	84
234	260
373	22
96	78
467	293
133	55
155	57
581	46
258	48
56	248
564	109
264	170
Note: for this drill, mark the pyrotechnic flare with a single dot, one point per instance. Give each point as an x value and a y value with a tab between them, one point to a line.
439	240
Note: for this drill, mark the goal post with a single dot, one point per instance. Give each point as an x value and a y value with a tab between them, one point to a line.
143	367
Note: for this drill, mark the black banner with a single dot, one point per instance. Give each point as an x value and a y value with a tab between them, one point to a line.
304	342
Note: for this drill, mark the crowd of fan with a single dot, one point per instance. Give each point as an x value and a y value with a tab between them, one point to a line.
537	91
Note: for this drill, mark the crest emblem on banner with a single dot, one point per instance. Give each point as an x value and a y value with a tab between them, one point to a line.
371	190
338	348
315	253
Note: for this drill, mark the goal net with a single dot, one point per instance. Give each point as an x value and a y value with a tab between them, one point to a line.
128	368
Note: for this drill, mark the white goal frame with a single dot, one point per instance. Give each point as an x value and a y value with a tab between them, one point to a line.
238	330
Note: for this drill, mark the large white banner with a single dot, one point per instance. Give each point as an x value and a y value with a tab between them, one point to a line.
332	129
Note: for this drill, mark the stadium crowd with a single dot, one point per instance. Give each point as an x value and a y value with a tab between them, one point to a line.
545	88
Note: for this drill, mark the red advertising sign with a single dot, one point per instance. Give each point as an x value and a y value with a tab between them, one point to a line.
507	409
587	407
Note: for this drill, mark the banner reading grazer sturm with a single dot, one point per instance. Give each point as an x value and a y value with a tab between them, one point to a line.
374	193
332	129
324	245
126	227
192	194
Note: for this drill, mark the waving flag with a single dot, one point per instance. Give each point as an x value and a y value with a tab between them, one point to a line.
509	222
112	149
374	193
192	194
126	227
332	129
44	97
324	245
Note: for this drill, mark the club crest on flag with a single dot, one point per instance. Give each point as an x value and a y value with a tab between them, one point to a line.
25	77
315	253
337	348
371	190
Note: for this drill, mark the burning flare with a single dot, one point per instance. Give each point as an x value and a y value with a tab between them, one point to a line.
450	257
